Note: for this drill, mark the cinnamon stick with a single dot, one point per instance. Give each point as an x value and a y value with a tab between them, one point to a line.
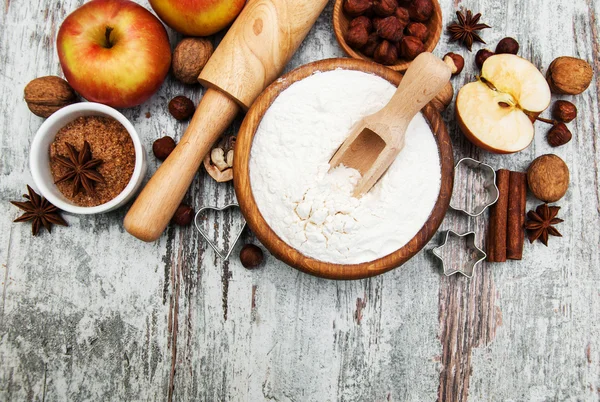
497	229
517	200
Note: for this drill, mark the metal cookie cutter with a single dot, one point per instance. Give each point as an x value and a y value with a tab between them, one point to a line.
486	193
223	254
459	254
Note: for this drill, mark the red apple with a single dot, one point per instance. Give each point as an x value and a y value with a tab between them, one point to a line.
197	17
114	52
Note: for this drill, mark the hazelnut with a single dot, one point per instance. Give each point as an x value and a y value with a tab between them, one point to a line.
455	61
181	108
251	256
421	10
548	178
444	98
163	147
371	46
386	53
362	21
482	56
564	111
402	15
411	47
184	215
570	76
46	95
385	8
418	30
390	28
507	45
190	57
357	37
354	8
559	135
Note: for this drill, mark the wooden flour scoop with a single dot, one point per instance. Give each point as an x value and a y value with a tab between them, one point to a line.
376	140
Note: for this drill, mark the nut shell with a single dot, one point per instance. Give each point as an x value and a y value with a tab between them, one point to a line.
362	21
46	95
411	47
559	135
455	61
386	53
354	8
251	256
184	215
548	178
418	30
181	108
390	28
569	75
190	57
507	45
357	37
385	8
163	147
482	56
564	111
421	10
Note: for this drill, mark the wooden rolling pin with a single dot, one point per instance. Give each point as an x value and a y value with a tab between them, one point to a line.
253	54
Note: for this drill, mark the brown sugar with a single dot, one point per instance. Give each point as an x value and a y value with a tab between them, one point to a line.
110	142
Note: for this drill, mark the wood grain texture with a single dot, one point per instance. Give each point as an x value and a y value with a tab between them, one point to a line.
290	255
341	24
90	313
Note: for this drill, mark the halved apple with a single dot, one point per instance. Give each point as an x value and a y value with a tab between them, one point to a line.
496	112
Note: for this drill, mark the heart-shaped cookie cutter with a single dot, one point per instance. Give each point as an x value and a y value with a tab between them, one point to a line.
223	254
480	203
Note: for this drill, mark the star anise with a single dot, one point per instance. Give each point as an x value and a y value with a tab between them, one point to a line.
540	223
464	29
81	168
40	211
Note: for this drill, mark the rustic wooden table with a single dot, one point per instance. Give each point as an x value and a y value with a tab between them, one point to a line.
90	313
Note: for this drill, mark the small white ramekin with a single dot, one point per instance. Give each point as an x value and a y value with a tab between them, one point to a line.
39	158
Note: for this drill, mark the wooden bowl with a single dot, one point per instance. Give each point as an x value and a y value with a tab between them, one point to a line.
341	23
287	253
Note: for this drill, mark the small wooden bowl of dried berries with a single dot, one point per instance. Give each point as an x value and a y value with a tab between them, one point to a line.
87	159
389	32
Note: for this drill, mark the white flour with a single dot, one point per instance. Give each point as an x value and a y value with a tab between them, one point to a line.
314	211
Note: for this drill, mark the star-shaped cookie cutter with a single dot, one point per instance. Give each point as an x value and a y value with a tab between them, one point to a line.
459	254
223	254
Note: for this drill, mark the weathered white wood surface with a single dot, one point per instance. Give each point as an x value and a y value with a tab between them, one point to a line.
90	313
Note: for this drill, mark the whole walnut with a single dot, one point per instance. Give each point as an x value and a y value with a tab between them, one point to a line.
46	95
411	47
548	178
418	30
371	46
386	53
357	37
402	15
362	21
390	28
421	10
190	57
354	8
385	8
570	76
